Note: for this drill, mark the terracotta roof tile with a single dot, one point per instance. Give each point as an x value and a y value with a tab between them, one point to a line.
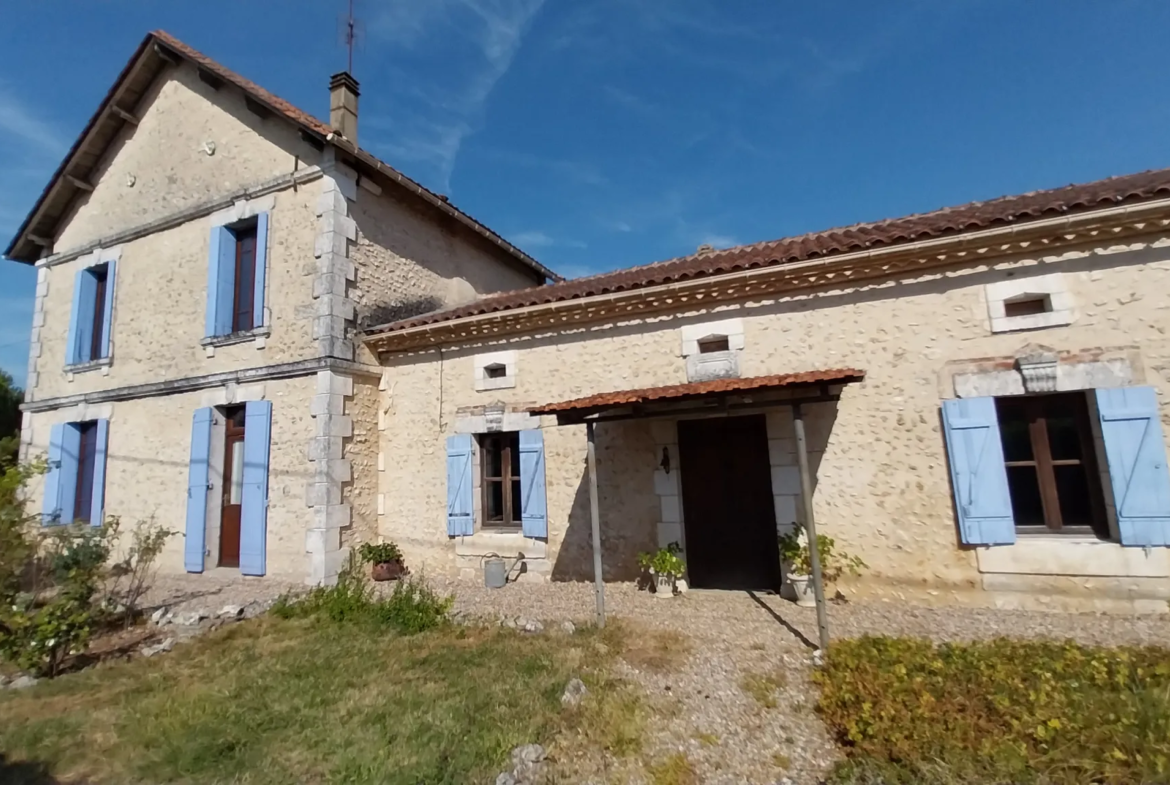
911	228
697	389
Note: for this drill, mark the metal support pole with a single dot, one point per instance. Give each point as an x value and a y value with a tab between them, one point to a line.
810	527
599	585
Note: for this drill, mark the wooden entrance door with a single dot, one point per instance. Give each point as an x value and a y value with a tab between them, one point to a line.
727	503
233	488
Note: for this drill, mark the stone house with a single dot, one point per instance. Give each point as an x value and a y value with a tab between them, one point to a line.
982	391
250	329
205	254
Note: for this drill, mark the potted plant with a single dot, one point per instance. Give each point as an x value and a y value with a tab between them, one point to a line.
794	553
665	566
386	559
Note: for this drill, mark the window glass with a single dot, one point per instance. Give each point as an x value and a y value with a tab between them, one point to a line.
500	475
236	485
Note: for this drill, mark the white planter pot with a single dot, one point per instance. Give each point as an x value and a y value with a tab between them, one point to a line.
802	586
663	586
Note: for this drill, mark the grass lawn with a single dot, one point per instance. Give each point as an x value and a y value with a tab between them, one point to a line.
280	701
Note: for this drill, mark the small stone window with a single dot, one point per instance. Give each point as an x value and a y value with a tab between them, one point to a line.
1027	305
495	370
714	343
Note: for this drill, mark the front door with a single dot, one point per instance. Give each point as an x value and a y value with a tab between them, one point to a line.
728	510
233	488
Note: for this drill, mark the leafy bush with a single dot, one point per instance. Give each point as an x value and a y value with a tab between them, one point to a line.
664	561
794	552
379	553
909	711
411	608
40	628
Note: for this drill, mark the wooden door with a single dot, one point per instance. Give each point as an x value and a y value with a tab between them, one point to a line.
727	503
233	489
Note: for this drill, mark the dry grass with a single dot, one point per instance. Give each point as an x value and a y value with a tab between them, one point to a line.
707	739
781	761
658	651
674	770
764	686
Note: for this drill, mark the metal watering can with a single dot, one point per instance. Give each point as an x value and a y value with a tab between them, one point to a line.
495	571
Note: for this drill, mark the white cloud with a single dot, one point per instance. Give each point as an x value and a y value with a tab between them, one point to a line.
538	239
19	121
718	240
449	106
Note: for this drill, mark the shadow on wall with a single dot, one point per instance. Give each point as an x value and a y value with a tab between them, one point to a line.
628	507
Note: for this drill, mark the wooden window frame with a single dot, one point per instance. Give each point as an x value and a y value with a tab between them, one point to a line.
508	441
86	468
244	276
1044	464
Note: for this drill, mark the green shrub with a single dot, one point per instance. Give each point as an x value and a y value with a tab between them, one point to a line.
380	552
909	711
412	606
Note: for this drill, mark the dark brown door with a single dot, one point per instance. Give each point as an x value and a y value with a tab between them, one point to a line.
727	503
233	489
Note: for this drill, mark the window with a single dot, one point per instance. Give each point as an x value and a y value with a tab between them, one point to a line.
86	460
1027	306
245	278
495	371
76	479
714	343
1051	464
89	324
235	290
500	465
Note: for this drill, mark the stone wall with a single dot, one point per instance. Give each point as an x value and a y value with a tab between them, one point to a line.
410	263
192	144
149	453
882	485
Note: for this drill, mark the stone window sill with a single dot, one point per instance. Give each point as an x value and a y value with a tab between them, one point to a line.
497	383
102	364
259	334
1076	556
508	543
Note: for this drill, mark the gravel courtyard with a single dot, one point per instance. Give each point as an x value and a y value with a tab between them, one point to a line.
732	638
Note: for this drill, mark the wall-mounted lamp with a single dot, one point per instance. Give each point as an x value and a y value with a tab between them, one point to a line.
665	463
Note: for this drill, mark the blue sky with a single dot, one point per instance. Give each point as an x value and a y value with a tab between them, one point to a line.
598	134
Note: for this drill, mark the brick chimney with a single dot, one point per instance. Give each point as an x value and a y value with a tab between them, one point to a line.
343	105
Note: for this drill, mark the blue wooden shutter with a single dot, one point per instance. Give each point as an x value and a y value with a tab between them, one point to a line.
254	508
98	498
533	511
261	264
67	478
80	341
982	500
1136	454
108	309
221	281
460	504
51	506
198	476
71	341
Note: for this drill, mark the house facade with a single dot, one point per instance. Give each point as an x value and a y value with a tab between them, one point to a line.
204	255
982	389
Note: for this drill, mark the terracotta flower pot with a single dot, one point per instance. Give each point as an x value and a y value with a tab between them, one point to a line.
388	571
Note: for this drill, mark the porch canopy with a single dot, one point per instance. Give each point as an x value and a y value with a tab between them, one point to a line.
710	398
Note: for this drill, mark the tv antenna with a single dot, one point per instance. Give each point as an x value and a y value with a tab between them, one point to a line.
350	30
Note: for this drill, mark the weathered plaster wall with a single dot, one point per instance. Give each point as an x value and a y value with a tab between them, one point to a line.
362	451
149	453
882	485
165	157
160	302
410	263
